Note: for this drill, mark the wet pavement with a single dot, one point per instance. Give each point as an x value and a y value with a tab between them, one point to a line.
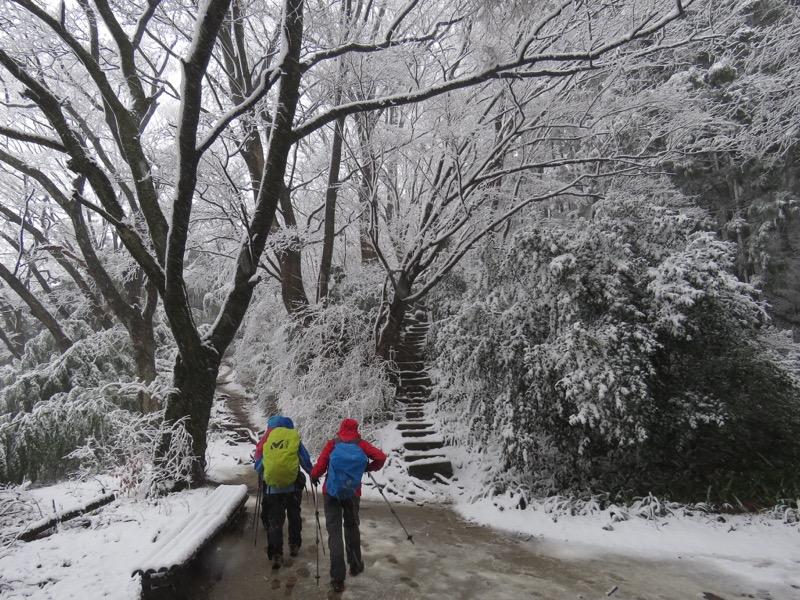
450	558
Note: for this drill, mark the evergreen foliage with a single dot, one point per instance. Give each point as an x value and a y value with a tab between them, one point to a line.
51	403
618	352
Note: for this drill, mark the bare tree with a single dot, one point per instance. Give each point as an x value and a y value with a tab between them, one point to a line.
119	78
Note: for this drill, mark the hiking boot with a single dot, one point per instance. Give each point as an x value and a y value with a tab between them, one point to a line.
355	569
337	587
277	561
294	550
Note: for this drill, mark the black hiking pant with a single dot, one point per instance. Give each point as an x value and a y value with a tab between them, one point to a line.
278	507
338	513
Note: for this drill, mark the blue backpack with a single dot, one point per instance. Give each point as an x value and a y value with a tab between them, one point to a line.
347	464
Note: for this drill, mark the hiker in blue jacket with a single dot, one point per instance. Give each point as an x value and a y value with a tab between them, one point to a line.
283	501
341	507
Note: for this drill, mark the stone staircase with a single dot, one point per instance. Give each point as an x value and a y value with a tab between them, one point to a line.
423	447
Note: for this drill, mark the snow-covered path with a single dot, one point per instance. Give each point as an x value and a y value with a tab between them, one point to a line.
452	558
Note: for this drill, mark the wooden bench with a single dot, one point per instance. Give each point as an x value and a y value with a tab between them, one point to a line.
178	545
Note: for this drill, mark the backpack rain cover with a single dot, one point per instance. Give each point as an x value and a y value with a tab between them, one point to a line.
347	464
281	460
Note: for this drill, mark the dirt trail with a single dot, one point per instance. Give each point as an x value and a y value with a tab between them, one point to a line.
451	558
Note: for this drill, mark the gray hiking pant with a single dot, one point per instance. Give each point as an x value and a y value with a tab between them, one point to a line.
338	513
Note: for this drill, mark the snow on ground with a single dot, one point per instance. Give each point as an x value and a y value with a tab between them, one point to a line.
94	556
764	551
762	548
89	557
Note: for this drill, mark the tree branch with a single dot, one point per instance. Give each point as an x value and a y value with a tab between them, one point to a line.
510	69
32	138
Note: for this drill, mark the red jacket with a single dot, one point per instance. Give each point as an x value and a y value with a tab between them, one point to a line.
347	432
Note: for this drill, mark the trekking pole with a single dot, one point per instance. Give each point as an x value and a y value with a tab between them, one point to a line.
258	506
318	530
391	508
253	526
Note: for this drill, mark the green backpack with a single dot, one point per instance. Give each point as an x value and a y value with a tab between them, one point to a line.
281	460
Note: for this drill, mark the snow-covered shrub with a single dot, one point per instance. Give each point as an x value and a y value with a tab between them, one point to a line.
130	448
50	404
319	374
619	348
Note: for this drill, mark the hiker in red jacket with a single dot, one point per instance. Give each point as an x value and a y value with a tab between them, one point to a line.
342	502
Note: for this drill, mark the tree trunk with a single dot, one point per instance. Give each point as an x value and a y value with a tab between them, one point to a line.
195	381
12	348
368	225
197	364
330	211
394	320
15	325
290	260
290	263
144	355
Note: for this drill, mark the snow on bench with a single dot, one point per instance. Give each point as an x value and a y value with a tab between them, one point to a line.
179	544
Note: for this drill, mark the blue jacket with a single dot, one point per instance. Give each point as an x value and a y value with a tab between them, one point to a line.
302	454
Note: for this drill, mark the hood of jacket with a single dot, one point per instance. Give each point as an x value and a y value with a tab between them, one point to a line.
348	430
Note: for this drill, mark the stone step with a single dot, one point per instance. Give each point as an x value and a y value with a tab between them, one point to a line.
428	471
410	458
404	408
416	380
424	446
411	372
409	350
417	385
415	341
415	414
412	402
414	407
415	395
410	365
413	426
414	390
415	402
417	433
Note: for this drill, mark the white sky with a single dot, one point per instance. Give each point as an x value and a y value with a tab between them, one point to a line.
94	557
